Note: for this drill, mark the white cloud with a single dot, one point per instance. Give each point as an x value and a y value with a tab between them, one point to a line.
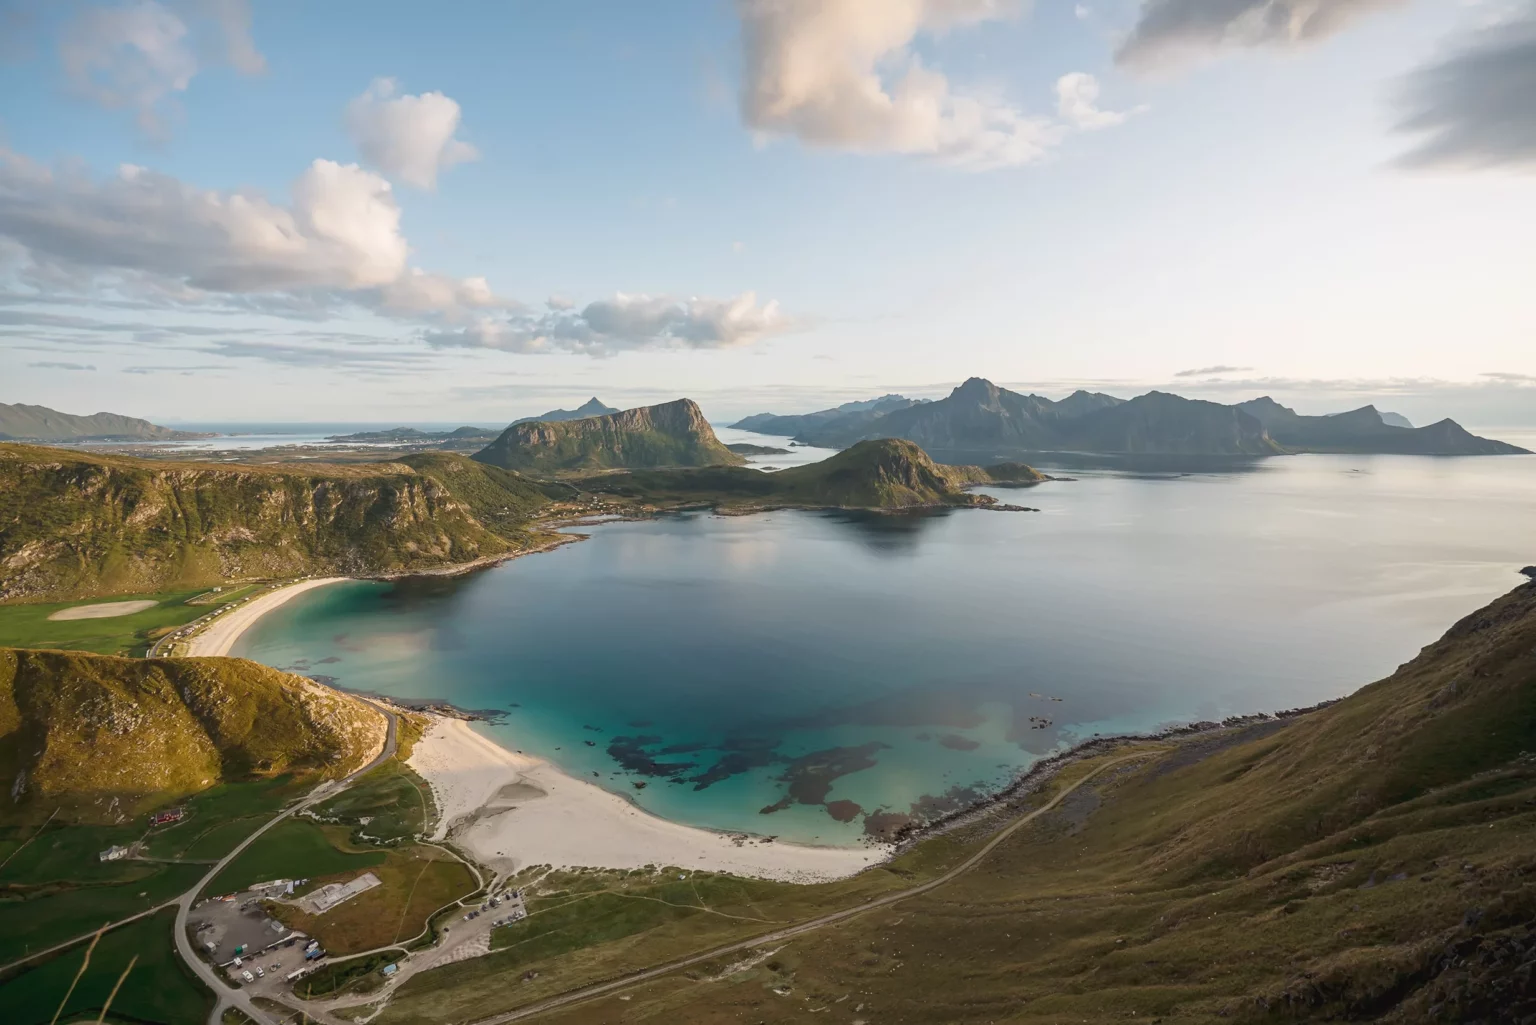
146	240
1082	11
1168	31
627	322
1476	108
1077	102
409	138
843	74
234	21
139	55
338	238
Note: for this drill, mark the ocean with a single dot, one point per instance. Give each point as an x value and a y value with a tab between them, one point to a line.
826	677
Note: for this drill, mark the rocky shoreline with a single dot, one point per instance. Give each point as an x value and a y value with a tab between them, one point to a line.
1031	780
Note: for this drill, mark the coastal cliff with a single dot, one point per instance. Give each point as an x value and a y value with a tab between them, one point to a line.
74	525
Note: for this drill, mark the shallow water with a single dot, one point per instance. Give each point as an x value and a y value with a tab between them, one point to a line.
913	650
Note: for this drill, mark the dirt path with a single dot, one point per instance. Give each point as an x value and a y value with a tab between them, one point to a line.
576	996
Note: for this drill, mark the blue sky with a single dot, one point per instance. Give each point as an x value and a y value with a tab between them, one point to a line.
719	207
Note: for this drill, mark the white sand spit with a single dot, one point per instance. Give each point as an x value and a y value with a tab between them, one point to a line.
509	811
220	635
105	610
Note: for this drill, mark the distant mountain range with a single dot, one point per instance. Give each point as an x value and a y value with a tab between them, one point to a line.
980	417
20	422
413	436
844	417
592	407
669	434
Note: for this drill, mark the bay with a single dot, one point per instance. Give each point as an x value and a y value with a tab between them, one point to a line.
848	670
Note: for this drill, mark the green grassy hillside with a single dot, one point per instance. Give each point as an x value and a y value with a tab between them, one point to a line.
73	524
670	434
1368	861
883	474
100	734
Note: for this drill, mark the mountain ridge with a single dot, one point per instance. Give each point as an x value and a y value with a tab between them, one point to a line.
980	416
667	434
21	422
75	524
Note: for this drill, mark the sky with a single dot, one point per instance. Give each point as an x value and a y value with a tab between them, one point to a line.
214	210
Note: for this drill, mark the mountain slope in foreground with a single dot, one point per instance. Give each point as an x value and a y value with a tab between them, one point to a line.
1368	861
39	423
74	524
90	729
887	474
670	434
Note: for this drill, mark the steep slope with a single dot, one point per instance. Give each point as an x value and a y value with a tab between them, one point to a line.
882	474
1367	430
81	728
39	423
591	407
670	434
73	524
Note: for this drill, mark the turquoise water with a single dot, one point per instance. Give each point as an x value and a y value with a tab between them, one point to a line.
909	653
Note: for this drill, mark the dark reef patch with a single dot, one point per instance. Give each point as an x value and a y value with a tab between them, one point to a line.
631	755
955	742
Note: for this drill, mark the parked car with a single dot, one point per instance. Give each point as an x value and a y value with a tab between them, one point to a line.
247	976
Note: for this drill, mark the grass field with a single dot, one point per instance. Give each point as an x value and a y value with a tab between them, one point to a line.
295	849
54	887
395	801
414	882
158	991
588	925
28	626
221	816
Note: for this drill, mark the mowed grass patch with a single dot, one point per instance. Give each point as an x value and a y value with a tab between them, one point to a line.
295	849
158	991
28	626
414	882
390	805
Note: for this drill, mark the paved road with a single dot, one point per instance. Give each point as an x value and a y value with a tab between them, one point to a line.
576	996
226	996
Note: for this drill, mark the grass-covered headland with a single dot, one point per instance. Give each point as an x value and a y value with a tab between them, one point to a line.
74	524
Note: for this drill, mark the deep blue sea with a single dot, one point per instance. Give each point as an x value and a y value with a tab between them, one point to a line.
817	676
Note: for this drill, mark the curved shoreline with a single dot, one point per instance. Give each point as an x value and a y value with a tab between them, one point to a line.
219	636
509	811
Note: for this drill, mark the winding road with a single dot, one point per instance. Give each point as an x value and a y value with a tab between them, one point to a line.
224	995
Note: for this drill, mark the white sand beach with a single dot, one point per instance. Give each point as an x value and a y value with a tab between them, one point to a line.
220	635
509	811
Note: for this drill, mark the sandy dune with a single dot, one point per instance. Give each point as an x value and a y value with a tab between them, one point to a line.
105	610
509	811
